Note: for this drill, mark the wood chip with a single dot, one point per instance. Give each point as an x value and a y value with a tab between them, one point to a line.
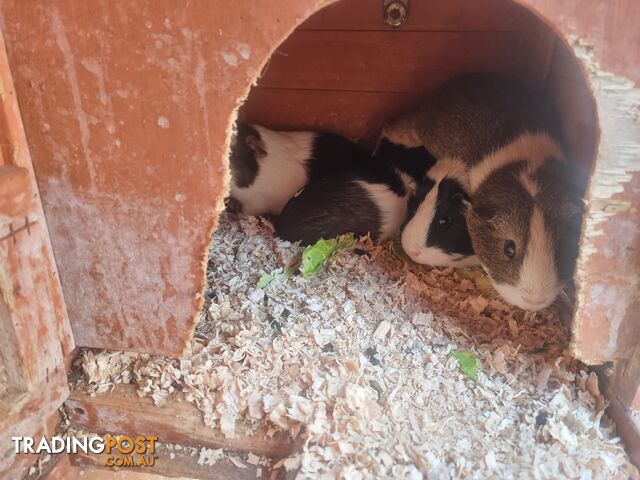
534	412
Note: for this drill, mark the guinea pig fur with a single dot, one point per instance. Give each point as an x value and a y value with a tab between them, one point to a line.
341	204
522	219
369	199
436	233
269	167
522	222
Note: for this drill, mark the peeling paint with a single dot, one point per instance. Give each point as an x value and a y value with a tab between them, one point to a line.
611	224
230	58
137	260
243	49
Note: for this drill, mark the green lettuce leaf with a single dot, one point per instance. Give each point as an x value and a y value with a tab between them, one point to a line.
316	256
468	363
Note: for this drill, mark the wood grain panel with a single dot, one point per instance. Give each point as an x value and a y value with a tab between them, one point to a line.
356	115
608	27
386	61
180	464
127	106
424	15
123	412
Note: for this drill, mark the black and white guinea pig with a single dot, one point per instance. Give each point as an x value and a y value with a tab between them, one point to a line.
436	233
369	199
268	167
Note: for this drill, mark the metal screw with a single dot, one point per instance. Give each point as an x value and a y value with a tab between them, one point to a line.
396	12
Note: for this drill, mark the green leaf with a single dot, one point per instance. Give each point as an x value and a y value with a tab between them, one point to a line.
468	363
265	280
316	256
395	246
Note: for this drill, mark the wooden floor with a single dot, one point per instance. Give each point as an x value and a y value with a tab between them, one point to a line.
181	434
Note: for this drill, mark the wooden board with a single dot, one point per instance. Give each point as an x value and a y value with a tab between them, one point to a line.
386	61
127	111
35	334
356	115
345	71
424	15
123	412
170	463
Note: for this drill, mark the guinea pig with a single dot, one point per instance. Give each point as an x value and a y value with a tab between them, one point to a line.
269	167
436	233
370	199
521	216
522	222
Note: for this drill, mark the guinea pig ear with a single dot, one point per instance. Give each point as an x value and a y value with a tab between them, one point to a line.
466	204
256	144
460	198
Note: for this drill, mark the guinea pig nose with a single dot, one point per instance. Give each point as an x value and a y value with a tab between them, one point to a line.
533	300
414	253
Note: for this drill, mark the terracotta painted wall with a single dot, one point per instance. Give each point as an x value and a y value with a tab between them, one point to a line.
126	106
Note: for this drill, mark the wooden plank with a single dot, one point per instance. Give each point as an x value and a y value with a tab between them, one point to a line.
128	112
609	27
356	115
63	470
36	334
424	15
30	414
170	463
625	381
626	425
123	412
386	61
16	196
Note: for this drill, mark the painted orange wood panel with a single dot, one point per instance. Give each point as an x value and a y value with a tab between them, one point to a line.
606	37
35	333
123	412
16	197
126	107
356	115
610	27
386	61
451	15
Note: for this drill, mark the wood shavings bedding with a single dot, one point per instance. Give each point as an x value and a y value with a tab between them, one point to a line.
356	363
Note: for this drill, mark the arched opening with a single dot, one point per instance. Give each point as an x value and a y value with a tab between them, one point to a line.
362	363
346	70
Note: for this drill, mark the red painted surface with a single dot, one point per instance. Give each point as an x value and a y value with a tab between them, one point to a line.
127	111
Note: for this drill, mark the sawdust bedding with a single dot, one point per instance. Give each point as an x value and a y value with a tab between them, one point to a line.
357	364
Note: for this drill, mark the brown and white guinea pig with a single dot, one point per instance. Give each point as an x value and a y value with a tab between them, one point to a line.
436	232
522	218
369	199
268	167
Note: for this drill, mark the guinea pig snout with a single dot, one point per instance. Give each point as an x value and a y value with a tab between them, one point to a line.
535	302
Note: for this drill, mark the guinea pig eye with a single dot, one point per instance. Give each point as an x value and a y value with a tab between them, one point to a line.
510	248
445	222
